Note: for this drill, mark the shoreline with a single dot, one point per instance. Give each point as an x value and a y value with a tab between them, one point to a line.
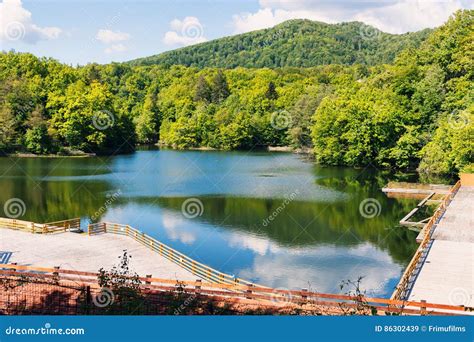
32	155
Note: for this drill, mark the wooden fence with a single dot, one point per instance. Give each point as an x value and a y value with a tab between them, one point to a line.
318	303
204	272
403	288
41	228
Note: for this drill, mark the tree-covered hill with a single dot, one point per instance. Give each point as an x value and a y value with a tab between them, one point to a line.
295	43
417	112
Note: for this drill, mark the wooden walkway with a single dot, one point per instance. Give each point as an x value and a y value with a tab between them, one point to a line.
446	273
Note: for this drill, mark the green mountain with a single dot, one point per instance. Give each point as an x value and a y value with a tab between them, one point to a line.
294	43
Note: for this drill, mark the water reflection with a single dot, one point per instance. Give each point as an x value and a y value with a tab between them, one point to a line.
316	237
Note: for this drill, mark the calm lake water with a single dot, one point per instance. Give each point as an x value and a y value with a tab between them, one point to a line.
316	236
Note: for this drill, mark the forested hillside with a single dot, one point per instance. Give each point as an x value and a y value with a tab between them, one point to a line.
414	113
295	43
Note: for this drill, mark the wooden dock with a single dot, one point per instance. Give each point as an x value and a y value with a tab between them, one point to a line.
442	269
414	190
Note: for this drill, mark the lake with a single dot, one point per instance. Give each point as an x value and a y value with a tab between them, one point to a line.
273	218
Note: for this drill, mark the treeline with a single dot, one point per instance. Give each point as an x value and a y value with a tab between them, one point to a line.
416	112
294	43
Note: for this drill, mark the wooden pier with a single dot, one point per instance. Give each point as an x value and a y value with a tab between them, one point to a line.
414	190
442	269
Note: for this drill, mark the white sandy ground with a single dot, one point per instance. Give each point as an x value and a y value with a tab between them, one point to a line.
86	253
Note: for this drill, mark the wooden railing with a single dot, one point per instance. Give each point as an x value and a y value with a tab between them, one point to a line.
204	272
402	290
41	228
310	301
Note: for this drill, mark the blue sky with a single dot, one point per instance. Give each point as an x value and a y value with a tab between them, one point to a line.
78	32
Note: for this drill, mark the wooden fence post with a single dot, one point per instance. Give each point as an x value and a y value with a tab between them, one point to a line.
249	292
423	308
88	299
198	285
56	273
304	295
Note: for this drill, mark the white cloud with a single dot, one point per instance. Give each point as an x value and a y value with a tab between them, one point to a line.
406	16
112	39
394	16
268	17
185	32
115	48
16	24
109	36
290	269
259	245
176	228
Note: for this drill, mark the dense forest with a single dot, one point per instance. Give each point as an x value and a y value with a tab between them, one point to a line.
416	112
294	43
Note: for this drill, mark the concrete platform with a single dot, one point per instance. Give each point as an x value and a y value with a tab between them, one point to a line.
86	253
447	275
